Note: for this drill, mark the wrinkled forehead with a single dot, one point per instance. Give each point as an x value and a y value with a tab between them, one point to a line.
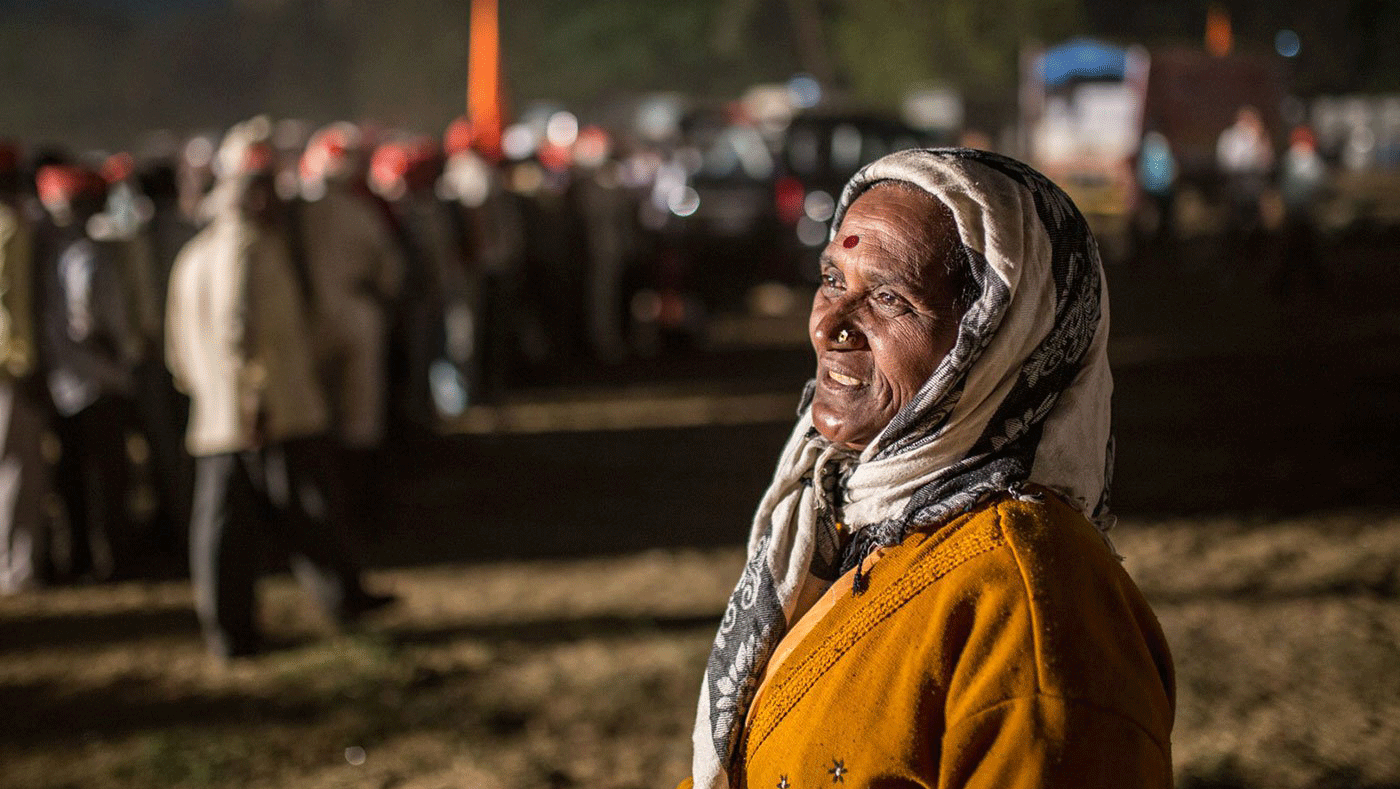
900	208
980	199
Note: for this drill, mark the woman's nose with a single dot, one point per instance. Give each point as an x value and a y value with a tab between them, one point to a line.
837	330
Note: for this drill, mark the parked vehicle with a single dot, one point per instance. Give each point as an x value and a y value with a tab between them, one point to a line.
747	216
819	153
725	225
1086	106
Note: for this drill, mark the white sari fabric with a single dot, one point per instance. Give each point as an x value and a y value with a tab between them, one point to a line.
1023	397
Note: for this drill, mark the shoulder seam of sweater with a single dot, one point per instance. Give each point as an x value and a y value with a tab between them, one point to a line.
1034	613
782	699
1069	700
1032	609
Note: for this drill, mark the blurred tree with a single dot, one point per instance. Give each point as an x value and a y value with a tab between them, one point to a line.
407	64
307	57
885	46
811	41
1377	59
1346	45
580	52
99	72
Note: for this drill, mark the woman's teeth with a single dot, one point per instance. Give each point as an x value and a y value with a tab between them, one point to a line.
843	379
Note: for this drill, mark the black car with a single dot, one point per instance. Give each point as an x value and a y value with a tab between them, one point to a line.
751	212
723	225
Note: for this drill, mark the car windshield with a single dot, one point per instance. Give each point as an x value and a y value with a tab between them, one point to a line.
737	153
842	147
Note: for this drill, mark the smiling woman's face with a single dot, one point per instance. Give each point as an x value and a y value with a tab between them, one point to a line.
886	312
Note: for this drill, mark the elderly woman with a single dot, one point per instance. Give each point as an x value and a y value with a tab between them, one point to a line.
930	597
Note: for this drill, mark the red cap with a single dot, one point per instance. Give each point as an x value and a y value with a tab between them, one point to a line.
387	165
554	157
258	158
118	167
326	150
63	183
460	136
1302	135
414	163
593	145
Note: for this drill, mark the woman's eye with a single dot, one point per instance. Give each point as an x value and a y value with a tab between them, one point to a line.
889	300
829	281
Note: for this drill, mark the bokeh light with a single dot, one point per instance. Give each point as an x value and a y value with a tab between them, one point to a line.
562	129
519	141
804	91
684	201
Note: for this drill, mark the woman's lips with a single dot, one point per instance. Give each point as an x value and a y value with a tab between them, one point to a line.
844	380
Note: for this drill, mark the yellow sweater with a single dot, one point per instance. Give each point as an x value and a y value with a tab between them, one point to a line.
1006	649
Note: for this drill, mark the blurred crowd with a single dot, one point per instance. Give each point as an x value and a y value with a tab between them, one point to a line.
1270	198
1270	191
230	328
227	329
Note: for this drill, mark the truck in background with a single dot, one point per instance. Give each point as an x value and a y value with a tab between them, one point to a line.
1085	106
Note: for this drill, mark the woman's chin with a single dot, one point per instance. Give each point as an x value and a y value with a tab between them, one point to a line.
835	428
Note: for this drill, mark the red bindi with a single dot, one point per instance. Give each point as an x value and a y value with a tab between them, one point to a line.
850	241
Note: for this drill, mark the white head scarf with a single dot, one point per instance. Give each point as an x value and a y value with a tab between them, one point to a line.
1023	397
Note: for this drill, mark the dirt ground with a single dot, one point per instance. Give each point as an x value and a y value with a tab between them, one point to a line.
1286	636
503	672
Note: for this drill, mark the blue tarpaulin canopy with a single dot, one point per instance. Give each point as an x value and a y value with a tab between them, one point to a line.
1082	58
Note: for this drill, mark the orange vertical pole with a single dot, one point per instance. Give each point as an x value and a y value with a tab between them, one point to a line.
1219	37
484	77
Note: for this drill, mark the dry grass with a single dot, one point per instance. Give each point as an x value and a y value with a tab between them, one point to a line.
1287	645
583	673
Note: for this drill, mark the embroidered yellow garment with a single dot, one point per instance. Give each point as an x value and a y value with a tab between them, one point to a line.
1006	649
